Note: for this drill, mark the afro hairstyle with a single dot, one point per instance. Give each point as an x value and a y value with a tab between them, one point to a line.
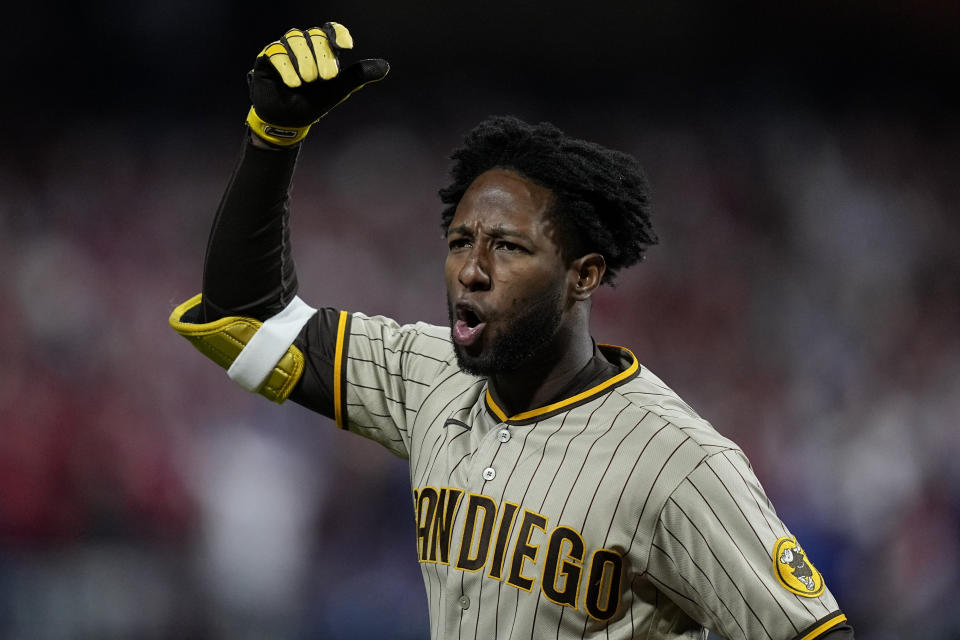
601	196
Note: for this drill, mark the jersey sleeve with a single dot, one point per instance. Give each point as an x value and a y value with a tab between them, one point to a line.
371	374
722	554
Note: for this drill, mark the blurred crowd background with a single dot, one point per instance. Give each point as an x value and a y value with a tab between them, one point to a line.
805	296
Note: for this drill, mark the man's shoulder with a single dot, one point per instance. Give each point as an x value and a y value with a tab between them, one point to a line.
418	339
648	393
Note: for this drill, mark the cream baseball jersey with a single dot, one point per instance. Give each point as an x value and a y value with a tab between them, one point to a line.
616	513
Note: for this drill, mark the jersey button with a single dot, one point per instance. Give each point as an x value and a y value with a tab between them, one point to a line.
489	473
464	602
503	435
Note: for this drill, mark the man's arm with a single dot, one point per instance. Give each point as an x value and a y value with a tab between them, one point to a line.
248	269
248	314
295	81
721	554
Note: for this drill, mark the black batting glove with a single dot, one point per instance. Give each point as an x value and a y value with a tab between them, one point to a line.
297	80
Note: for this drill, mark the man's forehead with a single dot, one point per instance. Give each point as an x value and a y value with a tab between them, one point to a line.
503	202
497	229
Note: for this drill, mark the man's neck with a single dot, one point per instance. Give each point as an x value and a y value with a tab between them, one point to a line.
541	381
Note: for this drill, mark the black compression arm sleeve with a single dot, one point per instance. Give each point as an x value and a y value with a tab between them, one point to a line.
248	269
843	632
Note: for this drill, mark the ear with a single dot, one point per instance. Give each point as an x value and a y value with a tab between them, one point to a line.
586	274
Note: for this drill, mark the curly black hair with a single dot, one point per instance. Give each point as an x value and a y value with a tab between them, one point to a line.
602	200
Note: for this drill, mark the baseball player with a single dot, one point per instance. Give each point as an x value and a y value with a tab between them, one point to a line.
560	488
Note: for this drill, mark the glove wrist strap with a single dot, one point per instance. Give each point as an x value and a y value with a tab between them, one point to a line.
282	136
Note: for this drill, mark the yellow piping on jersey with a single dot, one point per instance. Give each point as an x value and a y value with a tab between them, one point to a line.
337	370
829	624
629	371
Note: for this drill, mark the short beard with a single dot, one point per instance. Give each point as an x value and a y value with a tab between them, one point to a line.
526	337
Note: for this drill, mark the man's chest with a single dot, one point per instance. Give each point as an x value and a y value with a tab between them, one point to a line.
552	507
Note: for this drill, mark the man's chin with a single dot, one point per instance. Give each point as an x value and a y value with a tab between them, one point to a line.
474	363
488	362
512	345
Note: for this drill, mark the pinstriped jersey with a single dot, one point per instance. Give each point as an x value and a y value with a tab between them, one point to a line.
615	513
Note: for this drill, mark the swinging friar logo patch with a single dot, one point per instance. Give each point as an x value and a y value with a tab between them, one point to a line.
794	570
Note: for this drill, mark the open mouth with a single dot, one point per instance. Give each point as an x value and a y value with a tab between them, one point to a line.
468	315
468	326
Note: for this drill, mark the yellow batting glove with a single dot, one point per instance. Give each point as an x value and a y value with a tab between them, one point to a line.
297	80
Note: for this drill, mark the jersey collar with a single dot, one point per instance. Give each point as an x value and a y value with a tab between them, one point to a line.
613	352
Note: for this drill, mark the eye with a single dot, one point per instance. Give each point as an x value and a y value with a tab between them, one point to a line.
509	246
457	243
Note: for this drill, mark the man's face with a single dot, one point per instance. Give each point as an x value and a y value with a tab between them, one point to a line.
506	277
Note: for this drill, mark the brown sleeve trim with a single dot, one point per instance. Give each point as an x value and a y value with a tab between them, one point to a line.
340	370
319	388
822	626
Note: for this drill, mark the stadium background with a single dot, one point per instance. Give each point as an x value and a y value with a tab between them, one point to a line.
805	297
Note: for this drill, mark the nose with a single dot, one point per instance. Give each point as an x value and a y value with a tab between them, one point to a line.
474	274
